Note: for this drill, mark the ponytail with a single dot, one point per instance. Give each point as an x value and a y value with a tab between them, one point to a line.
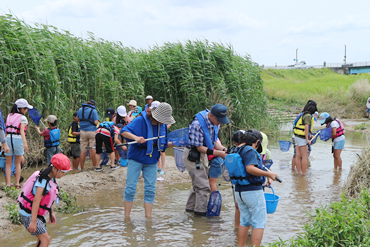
44	174
14	109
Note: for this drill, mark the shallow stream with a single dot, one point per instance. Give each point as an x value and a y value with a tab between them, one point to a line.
103	224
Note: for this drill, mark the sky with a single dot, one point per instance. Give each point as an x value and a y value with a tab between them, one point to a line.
269	31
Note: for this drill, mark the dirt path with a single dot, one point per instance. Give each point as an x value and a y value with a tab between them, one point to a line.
84	183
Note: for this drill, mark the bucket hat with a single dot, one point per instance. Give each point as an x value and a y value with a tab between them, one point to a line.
22	103
61	162
220	112
121	110
132	102
163	113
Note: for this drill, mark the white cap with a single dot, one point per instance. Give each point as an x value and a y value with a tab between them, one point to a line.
121	110
155	104
149	97
22	103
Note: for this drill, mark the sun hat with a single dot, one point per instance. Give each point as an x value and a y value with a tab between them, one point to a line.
61	162
220	112
22	103
109	112
149	97
51	119
258	136
237	136
265	142
121	110
132	102
323	117
137	111
155	104
163	113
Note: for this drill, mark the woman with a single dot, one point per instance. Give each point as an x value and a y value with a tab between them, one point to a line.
302	134
144	155
16	126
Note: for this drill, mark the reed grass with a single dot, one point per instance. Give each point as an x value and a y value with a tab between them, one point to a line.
57	71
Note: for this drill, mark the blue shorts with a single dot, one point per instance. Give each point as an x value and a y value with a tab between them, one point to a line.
340	144
368	110
215	167
252	208
17	145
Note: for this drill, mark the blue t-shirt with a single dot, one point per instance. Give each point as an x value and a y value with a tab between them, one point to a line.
37	184
87	125
137	151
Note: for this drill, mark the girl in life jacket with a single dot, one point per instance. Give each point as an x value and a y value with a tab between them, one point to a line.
337	136
16	126
38	195
246	171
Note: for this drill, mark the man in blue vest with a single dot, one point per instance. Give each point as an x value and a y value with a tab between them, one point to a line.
203	134
89	119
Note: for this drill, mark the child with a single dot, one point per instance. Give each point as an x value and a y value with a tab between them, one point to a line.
106	133
16	127
121	117
337	136
368	108
302	134
117	150
214	169
42	189
247	173
74	141
51	137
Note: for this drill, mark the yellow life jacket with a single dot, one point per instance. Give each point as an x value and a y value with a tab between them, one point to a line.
73	138
299	126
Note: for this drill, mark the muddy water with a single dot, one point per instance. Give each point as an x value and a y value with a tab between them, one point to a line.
103	223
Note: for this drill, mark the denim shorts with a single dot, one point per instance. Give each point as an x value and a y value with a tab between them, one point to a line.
300	141
17	145
340	144
215	167
368	110
252	208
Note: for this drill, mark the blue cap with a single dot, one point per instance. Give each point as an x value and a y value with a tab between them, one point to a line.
220	112
137	111
323	117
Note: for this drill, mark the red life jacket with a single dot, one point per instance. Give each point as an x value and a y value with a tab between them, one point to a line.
13	124
340	129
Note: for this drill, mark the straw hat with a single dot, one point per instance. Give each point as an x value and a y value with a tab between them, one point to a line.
163	113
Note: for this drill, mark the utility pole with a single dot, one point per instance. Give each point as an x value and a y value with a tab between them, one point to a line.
296	56
345	55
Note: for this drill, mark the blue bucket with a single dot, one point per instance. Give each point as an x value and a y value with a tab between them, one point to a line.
2	161
178	159
271	201
284	145
123	162
325	134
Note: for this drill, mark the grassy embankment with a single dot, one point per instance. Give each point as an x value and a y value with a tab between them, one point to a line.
341	95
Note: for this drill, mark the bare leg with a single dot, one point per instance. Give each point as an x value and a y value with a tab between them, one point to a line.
117	155
83	158
112	156
243	234
93	158
213	184
163	160
337	159
257	235
237	216
128	207
44	239
304	154
17	163
293	163
298	160
8	169
97	157
148	209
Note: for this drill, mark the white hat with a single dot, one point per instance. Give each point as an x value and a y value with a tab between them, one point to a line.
22	103
149	97
155	104
132	102
121	110
163	114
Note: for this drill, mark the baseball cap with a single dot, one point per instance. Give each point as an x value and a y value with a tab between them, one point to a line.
311	102
149	97
237	136
132	102
75	114
257	135
109	112
220	112
51	119
61	162
92	102
265	142
323	117
121	110
22	103
155	104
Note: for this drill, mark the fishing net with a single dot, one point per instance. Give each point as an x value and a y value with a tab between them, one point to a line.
178	159
325	134
214	204
284	145
313	141
268	163
225	172
35	115
122	153
180	137
105	158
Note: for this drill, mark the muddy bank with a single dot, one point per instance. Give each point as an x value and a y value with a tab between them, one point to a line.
84	183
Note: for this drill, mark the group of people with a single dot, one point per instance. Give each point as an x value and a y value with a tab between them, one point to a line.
202	157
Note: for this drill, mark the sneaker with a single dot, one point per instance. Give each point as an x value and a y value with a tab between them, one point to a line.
159	169
162	172
98	169
114	168
116	162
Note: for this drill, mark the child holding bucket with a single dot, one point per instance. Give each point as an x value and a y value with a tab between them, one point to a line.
248	191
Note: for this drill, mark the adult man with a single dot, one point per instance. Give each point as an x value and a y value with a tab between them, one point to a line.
89	119
203	134
149	100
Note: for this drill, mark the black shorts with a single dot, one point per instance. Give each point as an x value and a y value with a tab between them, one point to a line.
108	143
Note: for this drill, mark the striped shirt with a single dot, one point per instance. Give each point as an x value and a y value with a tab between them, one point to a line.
106	132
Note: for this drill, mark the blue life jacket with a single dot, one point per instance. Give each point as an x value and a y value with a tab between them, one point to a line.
162	142
146	107
108	125
2	124
54	138
237	170
88	118
210	142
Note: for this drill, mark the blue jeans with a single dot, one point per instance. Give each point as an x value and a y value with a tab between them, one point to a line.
133	173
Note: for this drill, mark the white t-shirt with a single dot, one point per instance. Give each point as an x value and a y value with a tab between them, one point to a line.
335	124
23	120
367	103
